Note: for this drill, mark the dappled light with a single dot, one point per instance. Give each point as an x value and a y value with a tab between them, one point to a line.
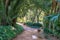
29	19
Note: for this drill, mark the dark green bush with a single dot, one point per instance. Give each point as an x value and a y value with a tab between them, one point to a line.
29	23
46	30
37	24
33	25
9	32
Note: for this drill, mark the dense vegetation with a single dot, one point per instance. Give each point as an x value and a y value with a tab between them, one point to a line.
53	25
31	12
9	10
9	32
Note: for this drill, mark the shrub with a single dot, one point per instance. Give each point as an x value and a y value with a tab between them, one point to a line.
29	23
37	24
46	30
9	32
33	25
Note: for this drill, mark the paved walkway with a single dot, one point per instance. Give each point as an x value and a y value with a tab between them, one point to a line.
28	34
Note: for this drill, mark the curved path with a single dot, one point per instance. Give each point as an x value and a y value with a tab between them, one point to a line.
30	34
27	34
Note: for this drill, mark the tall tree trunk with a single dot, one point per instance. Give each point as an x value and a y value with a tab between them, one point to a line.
4	19
38	14
6	6
54	5
7	2
58	10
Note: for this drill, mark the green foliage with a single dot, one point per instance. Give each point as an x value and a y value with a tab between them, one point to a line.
19	28
33	25
47	20
9	32
52	24
19	8
37	24
45	5
46	30
12	11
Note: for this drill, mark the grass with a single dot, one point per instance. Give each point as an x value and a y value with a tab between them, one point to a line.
9	32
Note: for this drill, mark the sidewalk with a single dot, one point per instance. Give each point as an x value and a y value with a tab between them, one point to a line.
27	34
